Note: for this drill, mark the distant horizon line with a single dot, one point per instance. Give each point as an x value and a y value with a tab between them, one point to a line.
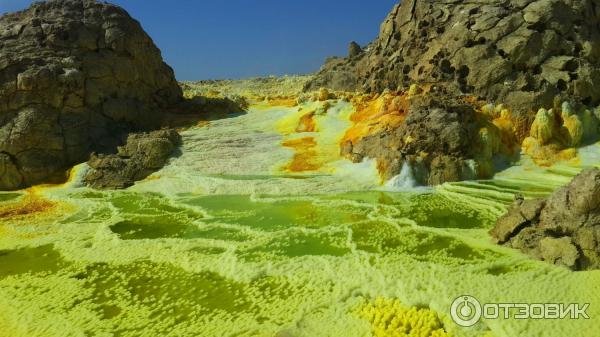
249	77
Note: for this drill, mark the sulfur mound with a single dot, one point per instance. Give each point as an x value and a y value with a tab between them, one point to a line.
390	318
519	52
75	77
564	229
556	133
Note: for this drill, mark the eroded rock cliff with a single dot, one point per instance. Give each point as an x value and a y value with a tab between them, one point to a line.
517	55
521	53
75	77
141	155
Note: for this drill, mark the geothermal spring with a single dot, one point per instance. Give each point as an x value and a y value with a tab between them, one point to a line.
227	240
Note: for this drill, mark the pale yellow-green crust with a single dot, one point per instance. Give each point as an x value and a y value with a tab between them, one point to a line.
223	242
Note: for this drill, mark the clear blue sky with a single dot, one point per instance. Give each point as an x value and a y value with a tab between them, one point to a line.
209	39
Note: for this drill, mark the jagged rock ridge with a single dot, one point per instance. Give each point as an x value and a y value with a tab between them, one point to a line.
519	52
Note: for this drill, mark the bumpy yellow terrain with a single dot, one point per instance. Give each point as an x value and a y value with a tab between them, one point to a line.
261	228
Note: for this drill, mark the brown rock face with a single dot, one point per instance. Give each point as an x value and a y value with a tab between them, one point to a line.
354	50
75	76
442	139
142	154
518	52
564	229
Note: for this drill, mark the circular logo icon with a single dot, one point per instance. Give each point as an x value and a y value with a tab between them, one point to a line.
466	311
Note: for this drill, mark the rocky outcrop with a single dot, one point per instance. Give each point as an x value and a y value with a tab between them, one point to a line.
142	154
521	53
354	50
563	229
75	77
441	138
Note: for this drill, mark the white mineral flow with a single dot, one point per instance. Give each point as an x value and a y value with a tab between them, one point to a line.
221	242
243	155
405	181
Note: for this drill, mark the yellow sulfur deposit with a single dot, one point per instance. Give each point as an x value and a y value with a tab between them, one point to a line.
29	206
549	154
307	123
572	130
376	113
490	110
305	157
542	128
489	138
414	90
20	218
488	144
506	129
556	134
390	318
323	94
590	125
284	101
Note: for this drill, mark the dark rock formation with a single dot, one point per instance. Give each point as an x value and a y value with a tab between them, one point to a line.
220	105
354	50
442	139
142	154
75	76
518	52
563	229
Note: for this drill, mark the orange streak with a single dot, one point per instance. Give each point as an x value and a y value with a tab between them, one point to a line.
305	158
307	123
374	114
28	206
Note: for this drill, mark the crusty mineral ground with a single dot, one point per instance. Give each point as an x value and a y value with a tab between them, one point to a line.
518	52
227	240
75	76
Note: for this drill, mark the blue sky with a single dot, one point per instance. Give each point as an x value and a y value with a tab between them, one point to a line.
209	39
